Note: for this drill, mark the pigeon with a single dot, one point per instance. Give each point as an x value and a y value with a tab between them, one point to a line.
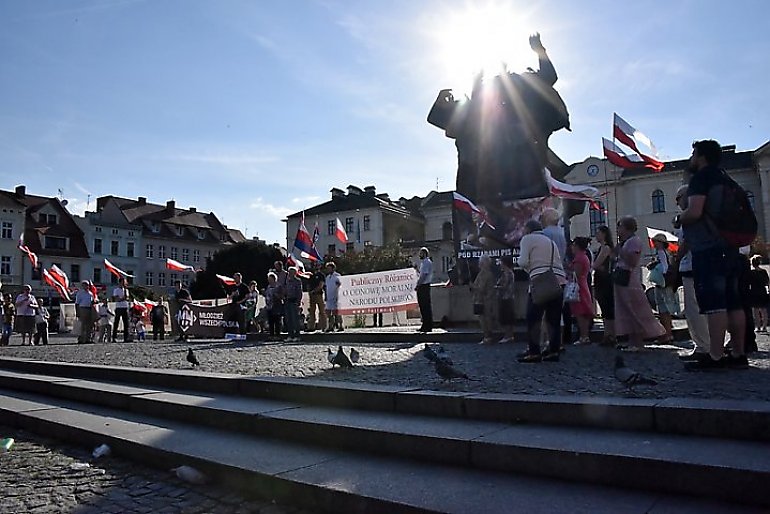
354	355
191	358
439	354
447	372
341	359
629	377
430	353
330	356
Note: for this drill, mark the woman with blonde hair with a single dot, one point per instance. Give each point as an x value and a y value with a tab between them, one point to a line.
633	314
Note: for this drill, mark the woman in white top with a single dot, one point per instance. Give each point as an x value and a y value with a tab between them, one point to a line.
538	254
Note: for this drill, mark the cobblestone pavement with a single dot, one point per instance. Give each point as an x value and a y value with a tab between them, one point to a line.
43	476
585	370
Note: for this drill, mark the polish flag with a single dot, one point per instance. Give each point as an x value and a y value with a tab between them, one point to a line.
94	292
292	261
632	138
228	281
30	254
618	157
149	304
61	277
178	266
51	281
673	241
341	235
573	192
115	270
463	204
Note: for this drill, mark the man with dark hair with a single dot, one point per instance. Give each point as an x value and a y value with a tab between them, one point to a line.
316	296
715	264
238	296
423	290
121	296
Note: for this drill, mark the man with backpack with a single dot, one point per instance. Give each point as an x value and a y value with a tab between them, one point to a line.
717	221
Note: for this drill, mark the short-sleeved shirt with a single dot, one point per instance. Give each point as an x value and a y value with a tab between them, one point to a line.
121	297
240	293
698	235
318	279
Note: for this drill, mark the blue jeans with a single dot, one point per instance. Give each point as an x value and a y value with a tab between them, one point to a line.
292	319
552	311
7	331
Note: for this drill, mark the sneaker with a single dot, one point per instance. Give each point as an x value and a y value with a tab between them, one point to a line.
341	329
527	357
550	357
737	362
691	356
706	363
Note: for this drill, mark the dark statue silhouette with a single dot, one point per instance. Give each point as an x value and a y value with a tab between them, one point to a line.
501	133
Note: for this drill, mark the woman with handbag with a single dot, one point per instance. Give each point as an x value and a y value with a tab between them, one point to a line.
603	290
485	299
633	314
540	258
582	308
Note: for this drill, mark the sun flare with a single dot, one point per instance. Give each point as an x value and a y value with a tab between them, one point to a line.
482	38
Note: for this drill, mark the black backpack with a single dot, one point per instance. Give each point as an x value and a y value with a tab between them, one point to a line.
729	213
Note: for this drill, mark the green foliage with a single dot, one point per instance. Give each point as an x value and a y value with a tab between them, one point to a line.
383	258
253	260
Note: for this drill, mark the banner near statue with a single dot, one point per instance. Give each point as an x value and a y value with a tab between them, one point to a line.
383	291
207	321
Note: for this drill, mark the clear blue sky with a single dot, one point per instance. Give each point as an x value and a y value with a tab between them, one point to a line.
255	109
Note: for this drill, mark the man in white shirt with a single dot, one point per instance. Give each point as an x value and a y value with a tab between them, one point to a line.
333	283
120	296
423	290
84	301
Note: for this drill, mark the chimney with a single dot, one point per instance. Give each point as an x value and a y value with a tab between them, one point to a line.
353	190
142	200
336	192
370	190
171	206
21	191
192	209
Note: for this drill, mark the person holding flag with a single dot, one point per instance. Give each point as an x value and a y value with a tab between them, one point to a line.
121	297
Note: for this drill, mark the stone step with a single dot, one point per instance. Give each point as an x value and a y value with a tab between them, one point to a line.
703	466
687	416
331	480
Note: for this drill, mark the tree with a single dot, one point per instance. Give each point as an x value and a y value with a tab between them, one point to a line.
383	258
253	260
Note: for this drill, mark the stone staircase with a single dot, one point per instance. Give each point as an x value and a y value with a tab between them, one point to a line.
343	447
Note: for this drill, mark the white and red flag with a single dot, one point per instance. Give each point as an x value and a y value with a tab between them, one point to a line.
30	254
115	270
633	138
463	204
178	266
673	241
340	232
58	274
51	281
228	281
618	157
292	261
584	193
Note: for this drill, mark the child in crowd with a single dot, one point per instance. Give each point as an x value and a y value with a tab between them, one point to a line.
41	325
105	322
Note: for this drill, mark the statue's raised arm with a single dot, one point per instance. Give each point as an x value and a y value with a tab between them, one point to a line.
546	73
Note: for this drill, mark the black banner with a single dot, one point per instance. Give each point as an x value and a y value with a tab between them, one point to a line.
208	322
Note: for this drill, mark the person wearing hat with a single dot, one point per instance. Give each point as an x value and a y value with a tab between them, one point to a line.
423	290
666	301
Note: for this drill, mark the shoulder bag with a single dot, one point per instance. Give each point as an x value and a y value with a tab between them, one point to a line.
545	287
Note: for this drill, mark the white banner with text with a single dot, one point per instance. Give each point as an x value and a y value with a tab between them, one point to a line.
383	291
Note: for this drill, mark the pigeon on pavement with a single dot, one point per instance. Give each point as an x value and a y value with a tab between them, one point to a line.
447	372
437	354
330	356
341	359
355	356
629	377
191	358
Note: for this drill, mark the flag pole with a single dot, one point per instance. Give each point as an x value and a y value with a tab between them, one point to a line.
614	173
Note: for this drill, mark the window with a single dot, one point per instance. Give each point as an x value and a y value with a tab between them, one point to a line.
750	197
97	275
174	253
161	278
97	245
130	233
596	217
149	251
201	234
129	249
332	250
446	231
5	265
47	219
367	244
155	227
331	227
7	230
367	223
161	252
196	255
75	273
114	247
98	229
185	254
180	231
349	225
185	280
148	278
173	278
55	243
658	201
114	232
350	247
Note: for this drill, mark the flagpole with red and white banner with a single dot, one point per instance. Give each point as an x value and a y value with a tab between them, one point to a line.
178	266
115	270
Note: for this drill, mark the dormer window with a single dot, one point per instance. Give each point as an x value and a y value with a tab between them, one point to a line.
180	231
201	234
155	227
47	219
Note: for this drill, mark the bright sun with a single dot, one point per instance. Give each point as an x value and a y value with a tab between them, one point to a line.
482	37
